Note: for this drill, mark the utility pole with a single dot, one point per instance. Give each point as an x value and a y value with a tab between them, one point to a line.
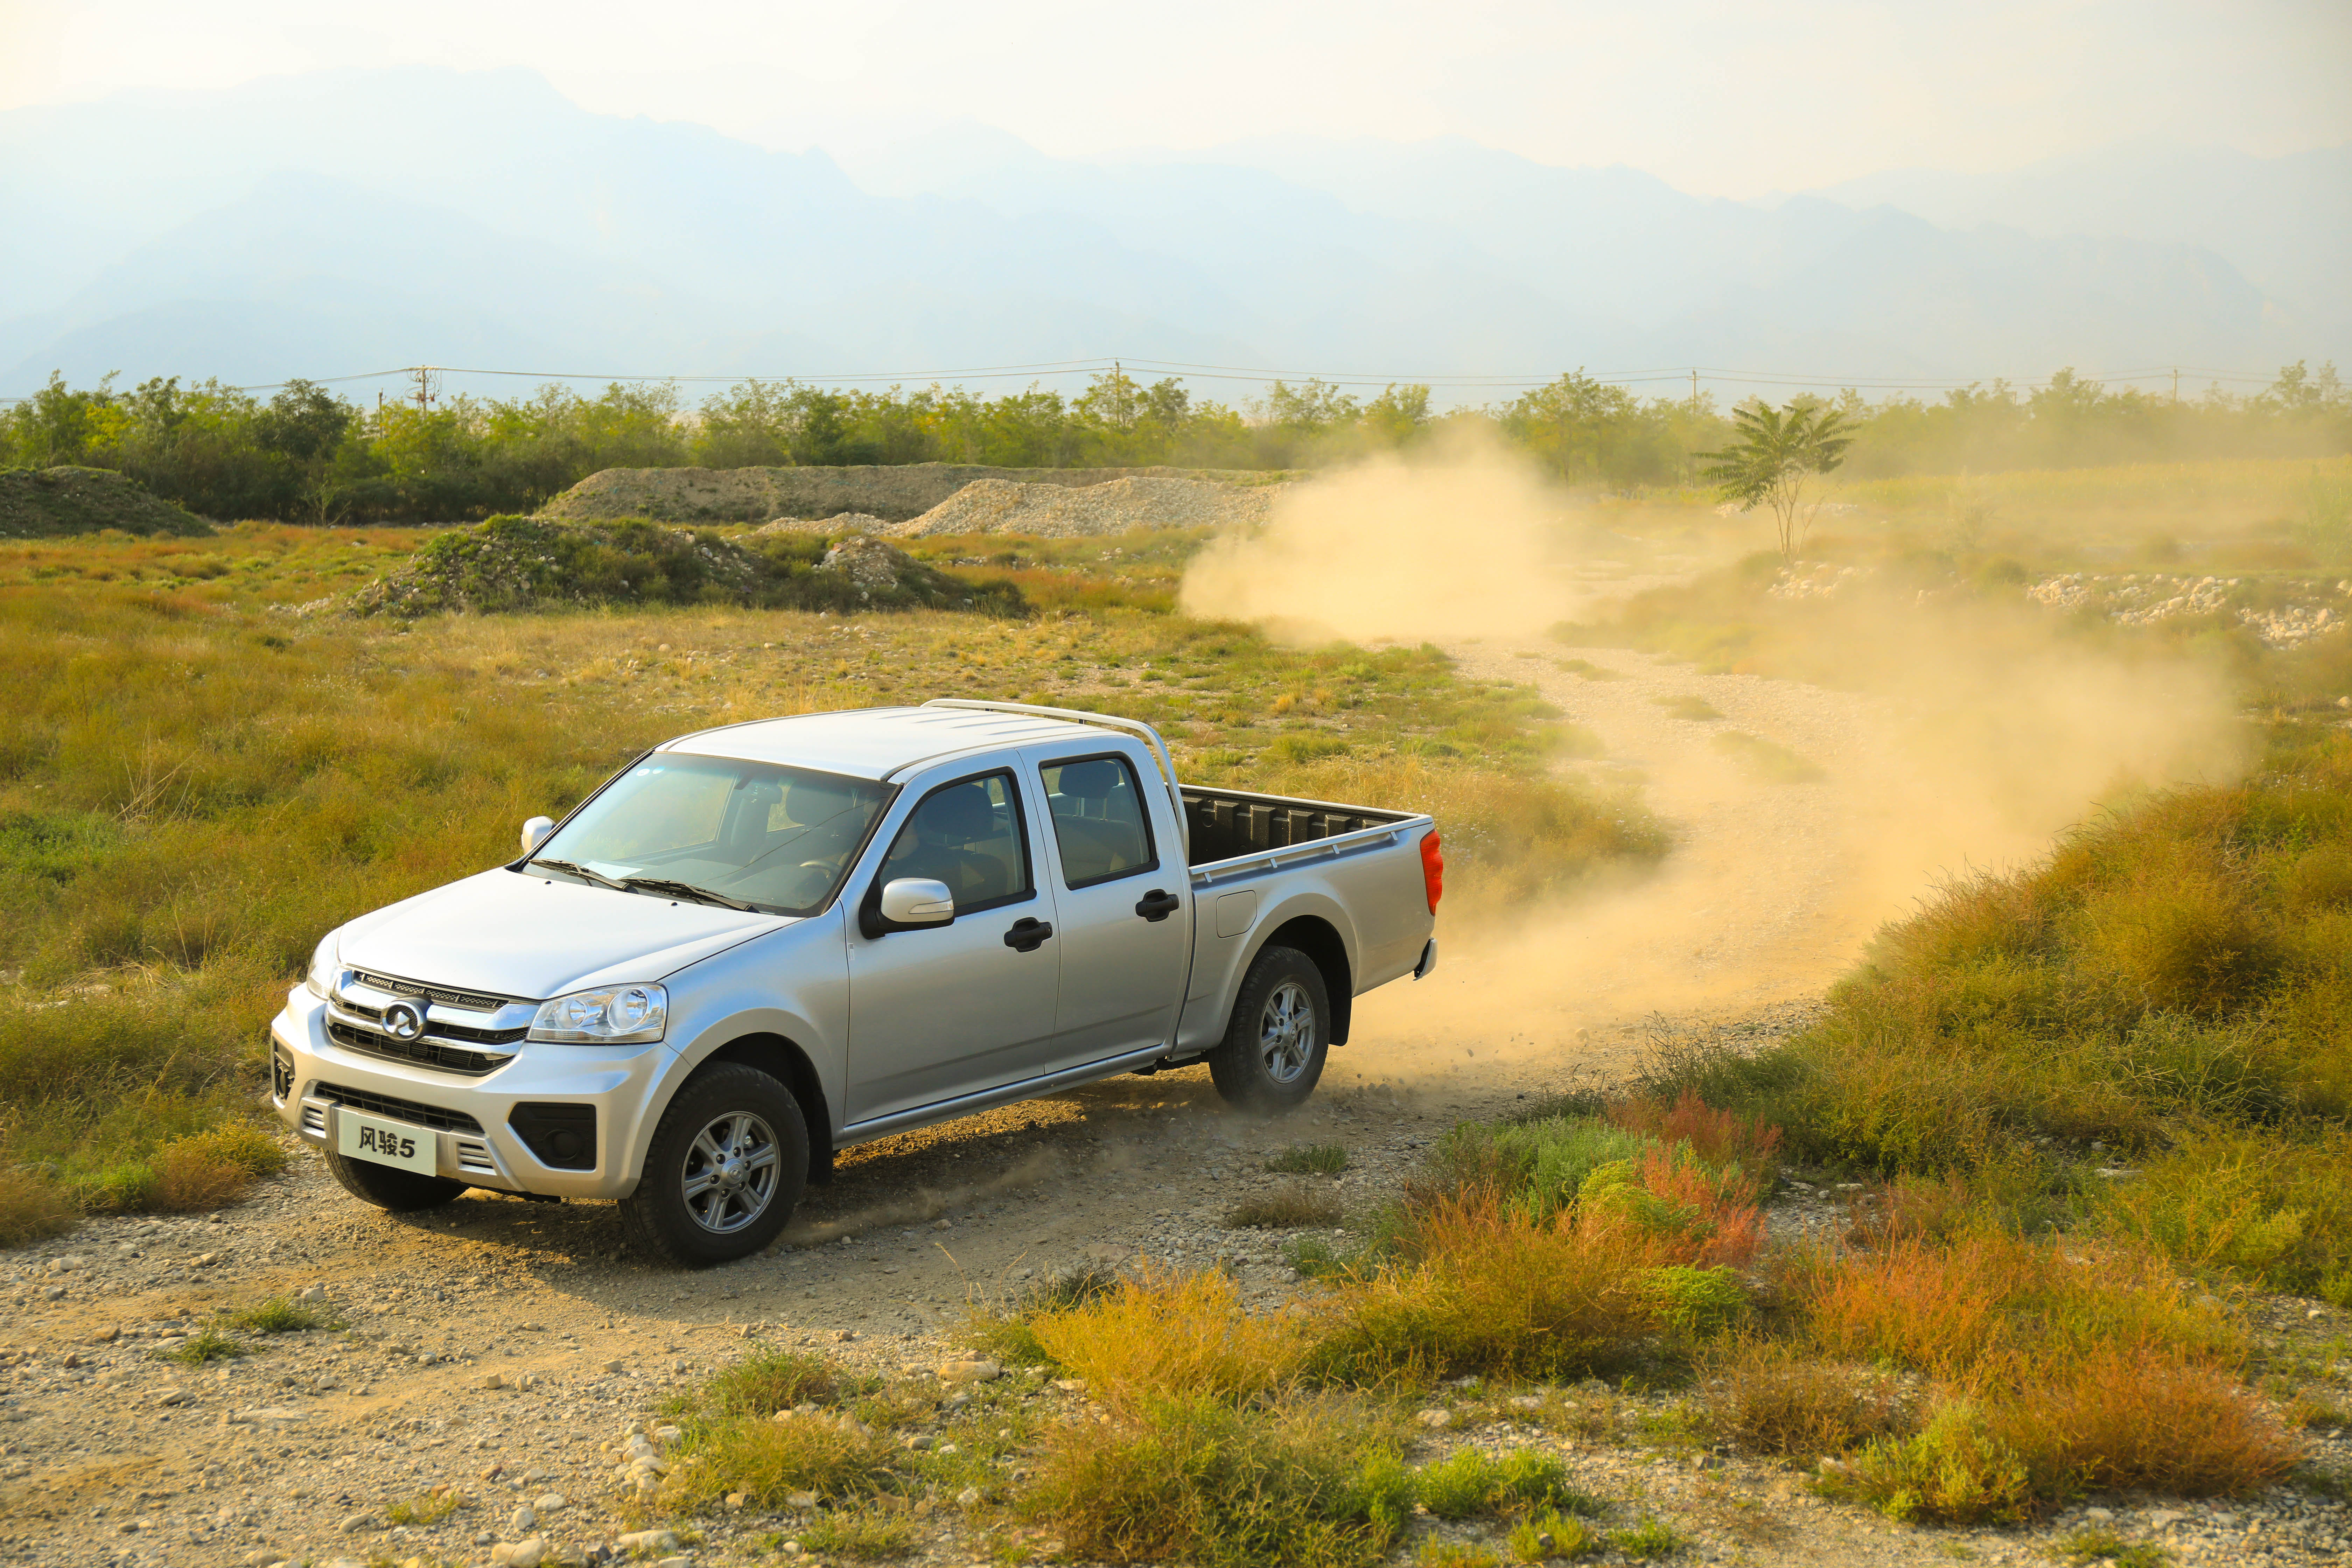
428	385
2176	385
1693	389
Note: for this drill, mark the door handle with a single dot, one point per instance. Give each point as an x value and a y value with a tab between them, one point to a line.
1028	934
1158	905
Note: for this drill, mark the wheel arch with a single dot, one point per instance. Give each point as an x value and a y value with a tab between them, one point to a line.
1320	941
784	1061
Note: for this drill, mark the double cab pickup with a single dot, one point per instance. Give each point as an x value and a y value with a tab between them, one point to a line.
758	944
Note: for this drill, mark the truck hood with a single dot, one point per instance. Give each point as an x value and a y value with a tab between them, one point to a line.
525	936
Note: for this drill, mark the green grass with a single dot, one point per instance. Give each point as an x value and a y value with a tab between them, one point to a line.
206	1346
1310	1160
1471	1483
2100	1545
283	1315
867	1537
1649	1538
1308	1483
195	788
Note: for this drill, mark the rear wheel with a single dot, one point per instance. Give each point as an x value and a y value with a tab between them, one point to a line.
724	1171
391	1188
1274	1049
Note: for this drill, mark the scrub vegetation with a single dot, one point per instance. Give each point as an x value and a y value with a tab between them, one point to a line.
207	765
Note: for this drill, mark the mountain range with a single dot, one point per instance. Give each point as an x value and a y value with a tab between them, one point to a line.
348	221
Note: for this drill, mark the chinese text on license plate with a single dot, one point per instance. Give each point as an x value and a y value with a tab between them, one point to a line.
365	1137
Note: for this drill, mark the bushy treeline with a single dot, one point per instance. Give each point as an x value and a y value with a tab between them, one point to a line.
306	453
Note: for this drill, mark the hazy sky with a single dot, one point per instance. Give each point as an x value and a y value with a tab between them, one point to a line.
1732	99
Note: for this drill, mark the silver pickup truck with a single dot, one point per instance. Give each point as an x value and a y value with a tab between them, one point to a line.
761	943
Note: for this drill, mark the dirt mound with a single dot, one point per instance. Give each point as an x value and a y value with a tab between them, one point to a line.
1116	505
48	503
527	563
839	523
893	493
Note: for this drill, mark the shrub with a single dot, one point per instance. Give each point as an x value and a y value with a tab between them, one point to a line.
2275	1211
1649	1537
1717	1137
1489	1291
1771	1398
427	1507
1471	1481
1312	1483
1953	1471
2081	1547
1551	1536
769	1460
207	1346
1159	1334
32	1209
1310	1160
2144	1420
1700	1303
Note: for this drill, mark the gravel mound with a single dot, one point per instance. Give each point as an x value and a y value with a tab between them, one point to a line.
50	503
893	493
511	564
1116	505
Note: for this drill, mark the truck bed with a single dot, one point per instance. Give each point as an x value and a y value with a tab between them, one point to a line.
1227	823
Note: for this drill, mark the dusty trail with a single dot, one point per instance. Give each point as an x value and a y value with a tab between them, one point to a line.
108	1454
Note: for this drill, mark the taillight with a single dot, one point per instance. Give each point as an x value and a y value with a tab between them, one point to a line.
1432	870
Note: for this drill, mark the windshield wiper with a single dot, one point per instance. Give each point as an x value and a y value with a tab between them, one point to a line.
683	891
582	872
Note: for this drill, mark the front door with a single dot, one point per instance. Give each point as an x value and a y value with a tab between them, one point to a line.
954	1009
1126	943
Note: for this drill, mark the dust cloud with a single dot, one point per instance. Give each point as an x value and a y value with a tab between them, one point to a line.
1459	545
1963	733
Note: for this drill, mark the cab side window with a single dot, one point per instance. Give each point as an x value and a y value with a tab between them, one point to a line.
1099	825
968	834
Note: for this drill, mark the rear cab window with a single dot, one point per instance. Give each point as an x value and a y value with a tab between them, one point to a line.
1101	827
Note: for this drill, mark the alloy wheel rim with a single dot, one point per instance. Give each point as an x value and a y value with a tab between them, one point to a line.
732	1170
1286	1032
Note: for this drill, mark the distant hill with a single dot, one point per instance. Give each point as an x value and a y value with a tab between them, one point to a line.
49	503
348	221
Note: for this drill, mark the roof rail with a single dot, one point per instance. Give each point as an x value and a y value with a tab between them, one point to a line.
1110	720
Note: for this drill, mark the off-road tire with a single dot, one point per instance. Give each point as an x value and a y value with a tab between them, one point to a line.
1271	1057
657	1218
391	1188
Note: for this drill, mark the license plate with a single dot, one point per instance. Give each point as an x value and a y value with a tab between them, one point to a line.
365	1137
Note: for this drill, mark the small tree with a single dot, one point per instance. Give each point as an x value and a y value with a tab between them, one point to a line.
1777	452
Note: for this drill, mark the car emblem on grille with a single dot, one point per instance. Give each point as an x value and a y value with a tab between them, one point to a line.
403	1020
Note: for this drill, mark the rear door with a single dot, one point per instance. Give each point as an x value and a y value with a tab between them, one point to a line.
1119	873
951	1010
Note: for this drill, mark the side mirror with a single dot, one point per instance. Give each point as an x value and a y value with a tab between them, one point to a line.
917	901
535	832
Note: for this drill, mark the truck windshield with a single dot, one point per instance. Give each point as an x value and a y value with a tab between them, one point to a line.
779	838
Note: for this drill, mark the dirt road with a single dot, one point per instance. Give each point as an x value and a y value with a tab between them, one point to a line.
505	1346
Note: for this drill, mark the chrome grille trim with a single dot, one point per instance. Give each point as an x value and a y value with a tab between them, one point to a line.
399	1110
471	1001
428	1052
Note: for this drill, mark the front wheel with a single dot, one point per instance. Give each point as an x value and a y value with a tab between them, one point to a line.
724	1171
1274	1049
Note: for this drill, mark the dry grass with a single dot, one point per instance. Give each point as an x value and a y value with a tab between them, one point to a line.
769	1381
1773	1399
1159	1335
1294	1207
32	1209
2124	1420
769	1460
1309	1160
1310	1483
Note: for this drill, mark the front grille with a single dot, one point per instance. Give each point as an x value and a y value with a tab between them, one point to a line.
282	1073
472	1001
424	1053
399	1110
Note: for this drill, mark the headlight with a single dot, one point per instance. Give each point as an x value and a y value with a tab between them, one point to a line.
320	981
617	1016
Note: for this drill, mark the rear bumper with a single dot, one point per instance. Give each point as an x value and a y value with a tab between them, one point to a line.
470	1118
1428	959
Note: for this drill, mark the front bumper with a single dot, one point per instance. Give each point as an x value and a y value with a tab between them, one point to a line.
470	1117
